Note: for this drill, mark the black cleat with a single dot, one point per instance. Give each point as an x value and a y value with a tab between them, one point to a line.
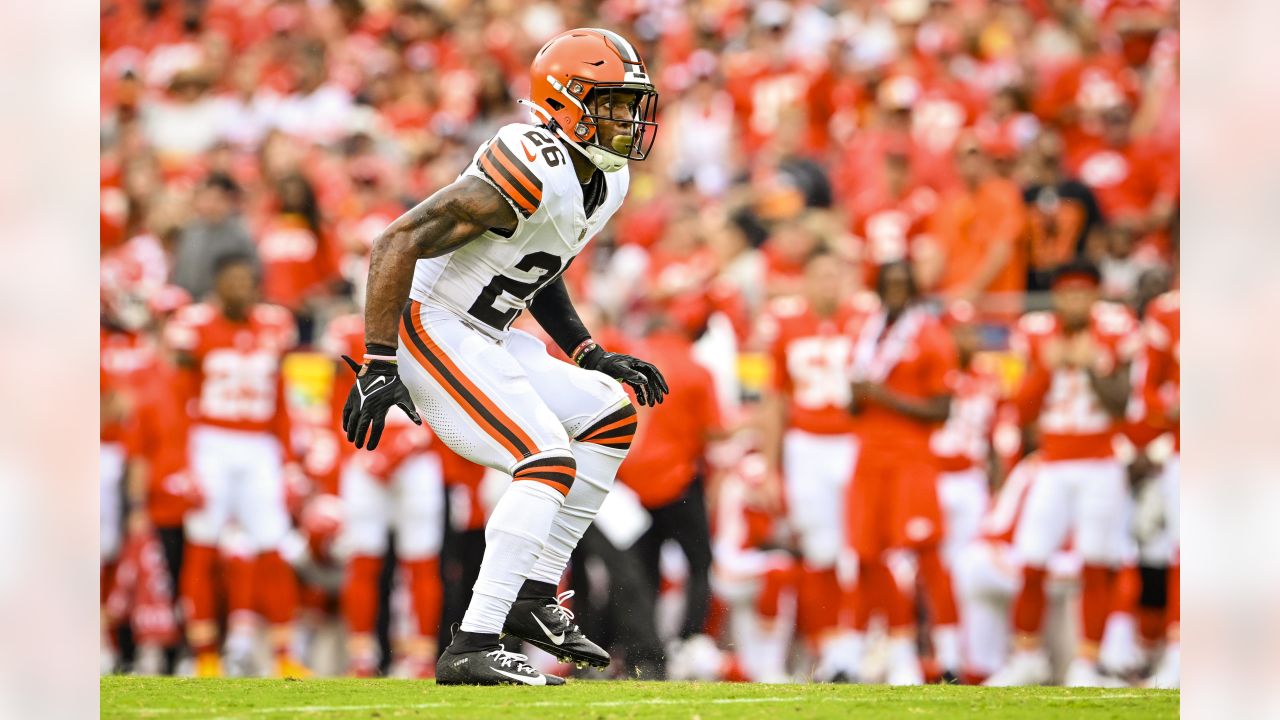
489	667
548	625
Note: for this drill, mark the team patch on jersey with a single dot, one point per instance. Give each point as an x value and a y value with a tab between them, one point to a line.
512	177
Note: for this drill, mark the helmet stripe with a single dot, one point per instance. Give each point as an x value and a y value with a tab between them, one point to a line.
628	52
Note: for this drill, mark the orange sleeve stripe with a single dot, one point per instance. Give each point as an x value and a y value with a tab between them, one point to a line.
505	186
484	411
519	170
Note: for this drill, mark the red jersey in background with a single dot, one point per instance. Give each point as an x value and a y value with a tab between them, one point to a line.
236	381
812	359
672	437
1072	421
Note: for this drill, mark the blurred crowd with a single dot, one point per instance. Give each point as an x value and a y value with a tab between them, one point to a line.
840	192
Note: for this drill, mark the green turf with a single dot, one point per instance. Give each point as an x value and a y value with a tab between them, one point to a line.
173	698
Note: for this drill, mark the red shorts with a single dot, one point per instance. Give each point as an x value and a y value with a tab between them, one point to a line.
893	502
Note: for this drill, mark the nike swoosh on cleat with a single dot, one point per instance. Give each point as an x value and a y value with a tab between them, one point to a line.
557	639
528	154
525	679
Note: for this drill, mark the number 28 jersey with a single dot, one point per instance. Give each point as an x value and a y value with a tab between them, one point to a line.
493	278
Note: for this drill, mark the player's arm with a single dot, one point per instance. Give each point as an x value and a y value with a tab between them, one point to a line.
1112	389
932	409
553	309
444	222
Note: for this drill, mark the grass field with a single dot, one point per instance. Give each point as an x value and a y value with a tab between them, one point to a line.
173	698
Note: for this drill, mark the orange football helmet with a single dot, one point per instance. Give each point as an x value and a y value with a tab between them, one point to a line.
575	75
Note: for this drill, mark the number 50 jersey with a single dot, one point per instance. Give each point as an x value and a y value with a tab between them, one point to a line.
493	278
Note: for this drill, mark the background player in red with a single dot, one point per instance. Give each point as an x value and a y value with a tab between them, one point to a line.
230	352
902	357
963	445
1161	393
400	486
1074	392
809	442
666	469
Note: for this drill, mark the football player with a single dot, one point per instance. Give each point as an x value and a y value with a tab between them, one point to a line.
230	352
1075	390
1161	393
902	357
809	439
471	258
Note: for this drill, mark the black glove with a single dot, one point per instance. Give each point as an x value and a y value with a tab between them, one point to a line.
377	388
643	377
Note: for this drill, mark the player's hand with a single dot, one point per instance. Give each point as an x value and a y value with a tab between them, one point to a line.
376	390
643	377
865	392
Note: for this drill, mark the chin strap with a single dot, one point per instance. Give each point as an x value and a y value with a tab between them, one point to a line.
597	156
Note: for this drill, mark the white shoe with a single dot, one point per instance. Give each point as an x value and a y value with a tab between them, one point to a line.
841	657
1084	673
1167	672
904	664
1120	653
1025	667
696	658
106	660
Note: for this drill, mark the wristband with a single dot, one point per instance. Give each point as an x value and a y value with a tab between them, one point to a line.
374	351
583	348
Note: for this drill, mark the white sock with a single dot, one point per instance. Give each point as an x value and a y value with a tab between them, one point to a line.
513	538
946	647
597	468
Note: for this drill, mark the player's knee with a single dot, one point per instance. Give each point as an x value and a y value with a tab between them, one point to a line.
615	429
556	470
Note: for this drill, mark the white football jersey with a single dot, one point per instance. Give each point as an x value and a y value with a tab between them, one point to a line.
493	278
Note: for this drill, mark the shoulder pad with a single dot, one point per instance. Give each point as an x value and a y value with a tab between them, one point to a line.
1113	319
865	301
195	314
518	162
1167	303
272	314
1037	323
787	306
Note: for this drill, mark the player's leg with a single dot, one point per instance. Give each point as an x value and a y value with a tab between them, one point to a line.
986	580
963	497
259	507
816	471
203	528
1167	672
111	467
1042	529
479	401
869	527
419	521
366	508
920	526
593	410
1102	512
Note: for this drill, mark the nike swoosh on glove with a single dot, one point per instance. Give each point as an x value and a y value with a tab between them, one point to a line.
643	377
376	390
